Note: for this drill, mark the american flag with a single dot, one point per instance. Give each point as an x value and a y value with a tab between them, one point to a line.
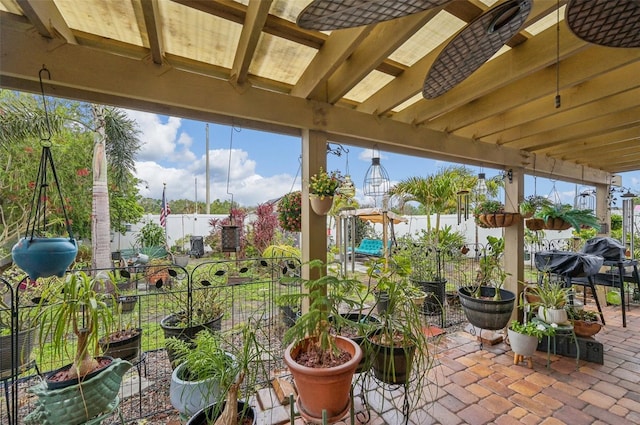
165	210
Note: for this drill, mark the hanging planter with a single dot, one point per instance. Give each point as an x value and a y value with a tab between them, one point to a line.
43	257
321	205
37	255
534	224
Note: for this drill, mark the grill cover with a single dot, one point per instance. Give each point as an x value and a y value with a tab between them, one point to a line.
567	263
608	248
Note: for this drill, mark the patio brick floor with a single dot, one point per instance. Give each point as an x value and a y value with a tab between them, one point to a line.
474	385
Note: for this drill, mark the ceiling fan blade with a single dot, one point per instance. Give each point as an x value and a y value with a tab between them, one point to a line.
324	15
474	45
612	23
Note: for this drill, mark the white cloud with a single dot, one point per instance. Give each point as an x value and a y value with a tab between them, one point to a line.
159	139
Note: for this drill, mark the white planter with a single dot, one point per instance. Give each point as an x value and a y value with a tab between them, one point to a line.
553	315
524	345
190	396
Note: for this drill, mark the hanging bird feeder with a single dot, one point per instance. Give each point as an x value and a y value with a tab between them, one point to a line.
230	238
36	254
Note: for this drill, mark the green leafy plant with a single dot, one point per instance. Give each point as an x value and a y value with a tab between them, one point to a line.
325	294
575	217
324	184
75	305
489	206
533	329
531	204
582	314
550	294
151	234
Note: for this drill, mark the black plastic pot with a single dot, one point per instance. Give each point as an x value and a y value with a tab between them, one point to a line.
56	385
126	349
484	312
26	340
365	362
435	296
390	364
171	329
210	413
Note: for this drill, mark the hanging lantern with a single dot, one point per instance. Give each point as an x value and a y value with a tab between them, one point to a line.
230	238
481	186
376	179
462	204
37	255
586	200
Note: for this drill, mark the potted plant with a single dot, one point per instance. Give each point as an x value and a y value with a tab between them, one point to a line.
17	332
124	340
485	304
322	188
491	213
524	339
203	369
398	345
290	211
241	378
321	362
425	264
531	204
585	322
197	303
564	216
552	296
75	305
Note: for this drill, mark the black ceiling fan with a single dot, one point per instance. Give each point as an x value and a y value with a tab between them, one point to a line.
614	23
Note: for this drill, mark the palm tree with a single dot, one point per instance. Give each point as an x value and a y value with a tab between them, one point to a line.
437	193
115	143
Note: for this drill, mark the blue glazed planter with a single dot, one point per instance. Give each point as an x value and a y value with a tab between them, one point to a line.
44	257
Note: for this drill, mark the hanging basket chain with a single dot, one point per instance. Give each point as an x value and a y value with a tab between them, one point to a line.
39	202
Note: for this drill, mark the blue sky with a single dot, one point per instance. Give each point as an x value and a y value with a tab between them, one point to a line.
265	165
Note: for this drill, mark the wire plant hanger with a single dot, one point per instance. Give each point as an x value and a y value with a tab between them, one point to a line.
38	255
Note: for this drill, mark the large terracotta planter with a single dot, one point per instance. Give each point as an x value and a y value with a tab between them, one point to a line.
323	388
484	312
321	205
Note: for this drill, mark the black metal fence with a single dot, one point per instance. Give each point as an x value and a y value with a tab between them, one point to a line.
246	290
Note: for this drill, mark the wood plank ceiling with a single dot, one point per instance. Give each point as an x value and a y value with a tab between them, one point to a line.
248	63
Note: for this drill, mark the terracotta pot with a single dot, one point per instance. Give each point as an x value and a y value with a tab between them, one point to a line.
321	205
586	329
323	388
